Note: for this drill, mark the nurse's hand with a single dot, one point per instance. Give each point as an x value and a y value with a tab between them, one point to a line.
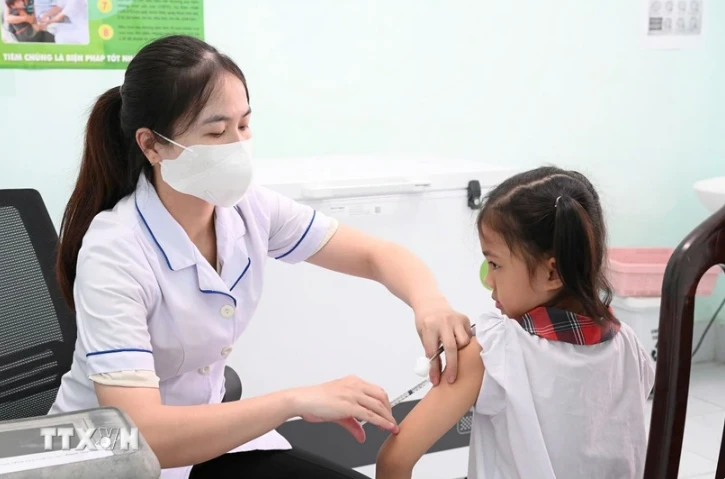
345	401
438	324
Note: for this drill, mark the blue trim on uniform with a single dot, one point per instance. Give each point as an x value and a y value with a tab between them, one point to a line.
128	350
249	263
152	234
208	291
314	213
172	269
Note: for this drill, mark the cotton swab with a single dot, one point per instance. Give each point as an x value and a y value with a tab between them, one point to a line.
422	366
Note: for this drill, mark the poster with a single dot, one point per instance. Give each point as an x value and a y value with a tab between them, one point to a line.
674	24
90	34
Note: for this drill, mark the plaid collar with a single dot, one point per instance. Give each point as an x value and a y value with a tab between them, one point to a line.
559	325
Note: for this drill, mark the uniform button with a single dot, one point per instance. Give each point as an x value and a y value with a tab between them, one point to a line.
226	351
227	311
204	370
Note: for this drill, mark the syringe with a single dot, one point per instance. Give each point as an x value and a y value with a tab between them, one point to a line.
409	393
421	384
405	395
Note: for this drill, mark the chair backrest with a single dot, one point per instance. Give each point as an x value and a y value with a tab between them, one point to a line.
702	249
37	328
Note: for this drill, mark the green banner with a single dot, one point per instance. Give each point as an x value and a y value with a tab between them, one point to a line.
90	34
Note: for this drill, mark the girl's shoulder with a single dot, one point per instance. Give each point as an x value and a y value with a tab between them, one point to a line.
492	323
495	332
488	320
489	325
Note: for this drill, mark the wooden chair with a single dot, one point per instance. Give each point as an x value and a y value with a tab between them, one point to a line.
702	249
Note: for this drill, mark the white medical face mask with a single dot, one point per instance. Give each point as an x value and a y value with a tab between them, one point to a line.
218	174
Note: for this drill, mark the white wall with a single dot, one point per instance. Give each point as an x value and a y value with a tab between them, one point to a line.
520	81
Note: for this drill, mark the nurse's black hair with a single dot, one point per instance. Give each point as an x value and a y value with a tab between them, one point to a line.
165	87
550	212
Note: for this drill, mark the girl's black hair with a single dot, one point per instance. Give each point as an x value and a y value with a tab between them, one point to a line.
551	212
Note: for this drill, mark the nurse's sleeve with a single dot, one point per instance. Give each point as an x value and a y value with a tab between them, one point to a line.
112	306
135	378
296	231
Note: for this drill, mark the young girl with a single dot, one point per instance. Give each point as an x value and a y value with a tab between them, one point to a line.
558	386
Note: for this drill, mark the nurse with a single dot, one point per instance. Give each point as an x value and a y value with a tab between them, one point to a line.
162	252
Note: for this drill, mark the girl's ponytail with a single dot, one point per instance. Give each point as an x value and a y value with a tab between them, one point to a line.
578	256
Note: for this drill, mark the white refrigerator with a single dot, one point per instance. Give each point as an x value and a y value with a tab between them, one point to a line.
313	325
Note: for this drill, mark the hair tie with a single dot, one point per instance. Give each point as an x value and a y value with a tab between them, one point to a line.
556	203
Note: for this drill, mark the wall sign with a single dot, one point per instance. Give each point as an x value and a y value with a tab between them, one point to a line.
674	24
90	34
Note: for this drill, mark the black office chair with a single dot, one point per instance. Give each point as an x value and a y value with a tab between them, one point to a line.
232	385
37	329
699	251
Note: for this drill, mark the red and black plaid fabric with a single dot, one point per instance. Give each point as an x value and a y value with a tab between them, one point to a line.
559	325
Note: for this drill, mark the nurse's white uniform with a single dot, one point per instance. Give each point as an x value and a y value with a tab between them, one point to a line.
147	300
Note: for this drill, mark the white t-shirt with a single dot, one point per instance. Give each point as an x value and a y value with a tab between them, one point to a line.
550	409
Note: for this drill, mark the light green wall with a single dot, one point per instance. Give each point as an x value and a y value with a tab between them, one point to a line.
519	82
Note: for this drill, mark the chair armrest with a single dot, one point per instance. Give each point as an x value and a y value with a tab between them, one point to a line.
232	385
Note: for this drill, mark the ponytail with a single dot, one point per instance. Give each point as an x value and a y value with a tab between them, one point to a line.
106	175
578	256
